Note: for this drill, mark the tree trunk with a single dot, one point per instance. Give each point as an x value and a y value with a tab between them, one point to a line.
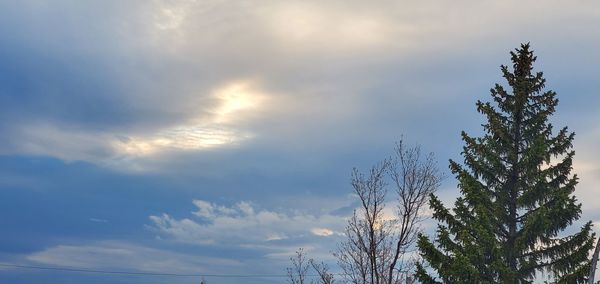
594	263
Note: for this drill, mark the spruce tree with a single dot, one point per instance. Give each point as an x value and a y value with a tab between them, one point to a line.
516	194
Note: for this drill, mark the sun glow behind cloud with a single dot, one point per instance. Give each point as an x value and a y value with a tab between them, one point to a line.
182	137
234	99
234	102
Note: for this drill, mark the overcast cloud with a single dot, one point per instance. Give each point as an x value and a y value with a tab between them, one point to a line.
218	136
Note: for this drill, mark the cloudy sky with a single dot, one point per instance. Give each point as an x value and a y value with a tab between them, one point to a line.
217	137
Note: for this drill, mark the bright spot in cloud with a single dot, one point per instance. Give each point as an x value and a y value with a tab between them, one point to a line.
180	138
235	101
323	232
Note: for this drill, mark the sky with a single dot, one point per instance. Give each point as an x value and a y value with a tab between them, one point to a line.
217	137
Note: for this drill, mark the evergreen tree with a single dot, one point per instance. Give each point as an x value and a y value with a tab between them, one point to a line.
516	194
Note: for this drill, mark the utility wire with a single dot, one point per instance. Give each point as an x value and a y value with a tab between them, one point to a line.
143	273
68	269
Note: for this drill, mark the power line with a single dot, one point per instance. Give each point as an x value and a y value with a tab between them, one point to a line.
142	273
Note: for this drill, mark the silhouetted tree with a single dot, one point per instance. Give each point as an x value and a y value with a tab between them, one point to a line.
325	277
515	199
297	273
376	249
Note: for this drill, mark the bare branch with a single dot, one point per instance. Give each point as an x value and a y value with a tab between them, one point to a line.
377	248
415	177
325	277
297	273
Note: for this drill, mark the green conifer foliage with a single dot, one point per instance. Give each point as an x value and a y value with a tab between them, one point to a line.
516	195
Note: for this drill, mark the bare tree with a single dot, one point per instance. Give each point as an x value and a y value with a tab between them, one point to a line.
366	254
297	273
325	277
377	247
415	178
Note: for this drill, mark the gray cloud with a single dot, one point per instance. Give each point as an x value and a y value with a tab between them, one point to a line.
136	86
144	71
274	102
122	256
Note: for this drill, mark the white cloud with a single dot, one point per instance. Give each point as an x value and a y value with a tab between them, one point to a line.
323	232
126	257
205	209
587	168
244	224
